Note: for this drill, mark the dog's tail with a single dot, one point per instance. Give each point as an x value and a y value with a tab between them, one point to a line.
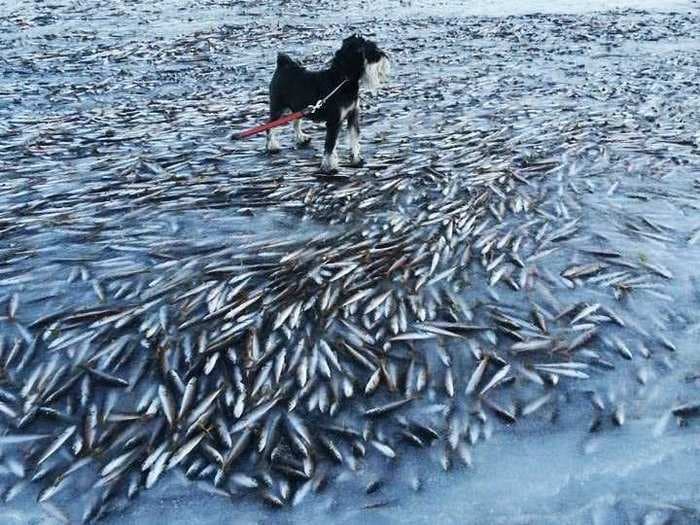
284	61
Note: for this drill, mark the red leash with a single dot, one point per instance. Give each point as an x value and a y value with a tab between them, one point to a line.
264	127
287	118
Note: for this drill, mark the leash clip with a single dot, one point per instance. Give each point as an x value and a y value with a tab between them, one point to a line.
317	106
319	103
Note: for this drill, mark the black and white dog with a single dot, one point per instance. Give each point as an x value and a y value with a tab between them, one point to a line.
293	88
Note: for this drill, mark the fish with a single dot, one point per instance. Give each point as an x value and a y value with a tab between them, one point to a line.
165	315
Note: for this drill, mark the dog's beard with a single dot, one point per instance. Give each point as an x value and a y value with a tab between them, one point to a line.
376	74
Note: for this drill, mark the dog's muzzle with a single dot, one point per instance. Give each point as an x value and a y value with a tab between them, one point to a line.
377	73
384	68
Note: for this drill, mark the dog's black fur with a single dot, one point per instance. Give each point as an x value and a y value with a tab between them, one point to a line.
294	88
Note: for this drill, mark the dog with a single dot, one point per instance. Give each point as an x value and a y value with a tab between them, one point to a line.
293	88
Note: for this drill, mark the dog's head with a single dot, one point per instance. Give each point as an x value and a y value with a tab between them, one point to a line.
361	59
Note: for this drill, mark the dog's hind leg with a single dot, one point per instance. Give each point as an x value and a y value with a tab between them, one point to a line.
271	143
330	157
302	138
353	120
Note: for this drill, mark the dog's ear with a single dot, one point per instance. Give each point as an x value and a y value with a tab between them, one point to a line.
351	56
354	42
372	52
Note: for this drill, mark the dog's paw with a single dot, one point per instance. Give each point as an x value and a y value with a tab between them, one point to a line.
271	150
329	164
329	170
357	163
303	141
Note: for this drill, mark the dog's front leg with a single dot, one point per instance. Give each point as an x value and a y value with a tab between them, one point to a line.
354	137
330	158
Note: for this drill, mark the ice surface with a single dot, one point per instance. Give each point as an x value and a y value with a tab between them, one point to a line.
536	471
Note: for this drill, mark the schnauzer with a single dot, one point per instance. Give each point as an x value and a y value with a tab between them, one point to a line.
294	88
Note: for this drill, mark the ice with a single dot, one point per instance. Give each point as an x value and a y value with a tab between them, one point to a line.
541	469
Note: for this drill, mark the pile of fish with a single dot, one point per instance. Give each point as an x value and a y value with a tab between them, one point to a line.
173	300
